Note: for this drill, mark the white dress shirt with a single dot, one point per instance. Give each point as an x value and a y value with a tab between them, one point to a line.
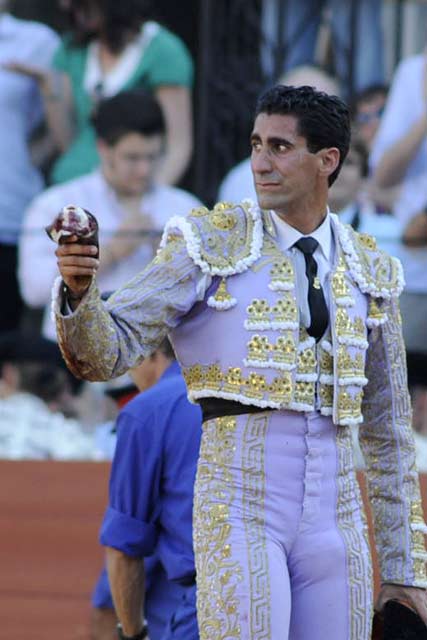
286	238
20	111
37	268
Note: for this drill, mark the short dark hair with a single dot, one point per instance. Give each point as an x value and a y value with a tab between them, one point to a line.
166	349
128	112
323	119
121	19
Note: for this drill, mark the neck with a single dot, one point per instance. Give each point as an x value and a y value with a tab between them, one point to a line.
305	221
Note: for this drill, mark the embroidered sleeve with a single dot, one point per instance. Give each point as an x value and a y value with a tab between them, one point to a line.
100	340
388	446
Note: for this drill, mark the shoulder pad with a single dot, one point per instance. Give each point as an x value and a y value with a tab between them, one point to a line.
376	273
222	241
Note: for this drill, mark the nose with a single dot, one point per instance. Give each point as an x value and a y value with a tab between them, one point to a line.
261	161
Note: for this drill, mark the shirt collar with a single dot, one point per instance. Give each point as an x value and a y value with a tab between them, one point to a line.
288	235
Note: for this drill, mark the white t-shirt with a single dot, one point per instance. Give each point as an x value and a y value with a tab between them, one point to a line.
37	262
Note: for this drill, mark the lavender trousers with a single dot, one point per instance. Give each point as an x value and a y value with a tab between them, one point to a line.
279	532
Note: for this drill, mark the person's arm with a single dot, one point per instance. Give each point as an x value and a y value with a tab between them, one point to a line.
388	447
396	145
55	89
395	161
126	578
177	110
100	341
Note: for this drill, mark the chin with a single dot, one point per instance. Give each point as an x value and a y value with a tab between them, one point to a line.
267	201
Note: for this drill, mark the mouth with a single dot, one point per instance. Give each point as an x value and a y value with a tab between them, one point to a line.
267	185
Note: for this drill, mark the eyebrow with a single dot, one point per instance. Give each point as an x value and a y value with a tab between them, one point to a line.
273	140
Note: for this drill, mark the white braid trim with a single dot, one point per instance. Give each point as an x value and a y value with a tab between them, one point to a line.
269	364
221	305
358	381
55	297
419	526
353	342
326	378
356	268
277	285
326	346
350	421
301	406
194	243
306	377
326	411
419	555
264	325
345	301
306	344
375	322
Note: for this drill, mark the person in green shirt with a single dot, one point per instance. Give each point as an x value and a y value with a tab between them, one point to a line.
112	47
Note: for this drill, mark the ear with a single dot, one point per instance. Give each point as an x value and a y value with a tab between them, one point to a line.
328	161
103	150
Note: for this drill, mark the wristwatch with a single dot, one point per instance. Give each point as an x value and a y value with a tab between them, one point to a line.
139	636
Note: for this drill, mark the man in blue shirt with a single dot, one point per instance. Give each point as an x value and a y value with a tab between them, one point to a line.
150	507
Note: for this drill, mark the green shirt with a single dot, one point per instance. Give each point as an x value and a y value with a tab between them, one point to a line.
165	61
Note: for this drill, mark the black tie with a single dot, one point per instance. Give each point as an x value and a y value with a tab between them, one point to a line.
316	300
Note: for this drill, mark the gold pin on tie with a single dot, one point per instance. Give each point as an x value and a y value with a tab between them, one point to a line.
316	283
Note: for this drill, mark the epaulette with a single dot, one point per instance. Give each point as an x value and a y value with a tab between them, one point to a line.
376	273
222	241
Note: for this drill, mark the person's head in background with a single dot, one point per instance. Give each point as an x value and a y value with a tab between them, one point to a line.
312	76
151	369
31	364
366	110
130	130
115	22
347	187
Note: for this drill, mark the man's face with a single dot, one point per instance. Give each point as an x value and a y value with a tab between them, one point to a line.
284	170
368	117
130	164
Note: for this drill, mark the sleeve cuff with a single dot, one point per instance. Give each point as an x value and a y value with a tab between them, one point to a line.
129	535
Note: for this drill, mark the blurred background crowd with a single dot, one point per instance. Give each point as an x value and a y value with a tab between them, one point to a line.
138	111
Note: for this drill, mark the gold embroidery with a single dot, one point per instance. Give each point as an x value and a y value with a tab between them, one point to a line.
354	533
258	311
217	573
253	451
213	377
375	312
284	351
233	380
349	328
221	294
223	221
259	348
326	393
285	310
304	392
349	367
349	406
281	389
368	241
256	386
339	285
282	272
307	361
326	362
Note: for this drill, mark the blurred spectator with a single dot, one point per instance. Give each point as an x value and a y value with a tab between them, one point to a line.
301	22
367	108
131	208
399	157
20	113
350	197
147	526
238	184
33	389
113	47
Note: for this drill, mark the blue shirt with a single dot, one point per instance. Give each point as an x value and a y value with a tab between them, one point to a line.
152	477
